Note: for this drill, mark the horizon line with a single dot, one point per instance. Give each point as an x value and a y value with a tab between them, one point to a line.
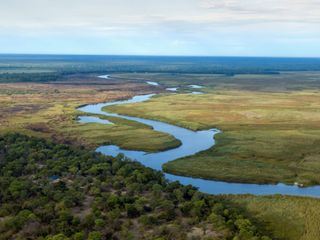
151	55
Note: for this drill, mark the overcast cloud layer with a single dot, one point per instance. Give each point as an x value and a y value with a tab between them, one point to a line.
166	27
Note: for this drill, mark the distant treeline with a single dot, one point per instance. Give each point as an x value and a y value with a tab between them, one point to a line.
29	77
51	191
67	64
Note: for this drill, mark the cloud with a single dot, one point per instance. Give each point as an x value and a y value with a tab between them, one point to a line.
268	10
261	6
247	6
167	25
118	16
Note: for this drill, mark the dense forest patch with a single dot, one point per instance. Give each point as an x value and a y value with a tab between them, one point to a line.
53	191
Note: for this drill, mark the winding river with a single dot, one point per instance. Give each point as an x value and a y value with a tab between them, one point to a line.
192	143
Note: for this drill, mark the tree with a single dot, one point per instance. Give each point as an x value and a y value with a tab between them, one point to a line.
58	237
95	236
132	211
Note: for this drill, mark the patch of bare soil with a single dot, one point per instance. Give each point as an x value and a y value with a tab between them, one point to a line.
203	233
39	127
85	209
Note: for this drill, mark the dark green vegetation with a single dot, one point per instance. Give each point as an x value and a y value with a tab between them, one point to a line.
282	82
62	192
52	191
26	76
40	68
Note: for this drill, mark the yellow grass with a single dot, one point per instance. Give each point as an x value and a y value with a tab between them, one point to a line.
274	136
49	110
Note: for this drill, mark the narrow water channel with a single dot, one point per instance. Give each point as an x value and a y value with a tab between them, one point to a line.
192	143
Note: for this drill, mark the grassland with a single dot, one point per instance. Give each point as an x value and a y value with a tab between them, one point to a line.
49	110
270	134
288	81
274	136
288	218
270	129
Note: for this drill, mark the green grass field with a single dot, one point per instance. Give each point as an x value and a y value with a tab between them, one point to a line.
268	156
270	132
286	81
274	136
49	110
288	218
126	134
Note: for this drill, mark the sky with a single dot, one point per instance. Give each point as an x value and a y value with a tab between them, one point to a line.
287	28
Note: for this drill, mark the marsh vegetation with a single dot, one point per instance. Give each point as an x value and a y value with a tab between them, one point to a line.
270	125
273	135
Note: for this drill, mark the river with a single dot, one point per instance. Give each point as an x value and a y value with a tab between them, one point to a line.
192	142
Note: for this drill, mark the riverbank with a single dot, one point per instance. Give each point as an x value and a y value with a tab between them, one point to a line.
192	143
48	110
274	136
292	218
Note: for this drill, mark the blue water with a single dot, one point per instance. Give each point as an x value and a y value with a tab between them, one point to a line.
104	76
89	119
174	89
195	86
192	142
153	83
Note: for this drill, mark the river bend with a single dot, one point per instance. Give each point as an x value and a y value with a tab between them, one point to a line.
192	142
